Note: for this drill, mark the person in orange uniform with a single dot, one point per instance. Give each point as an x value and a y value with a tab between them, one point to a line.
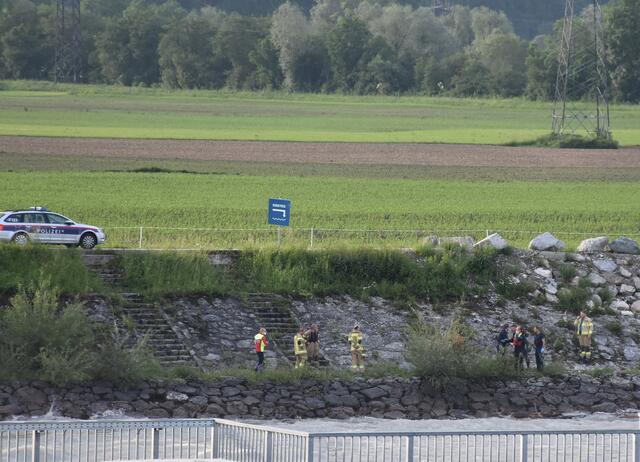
261	344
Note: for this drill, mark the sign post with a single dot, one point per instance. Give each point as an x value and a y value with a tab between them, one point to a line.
279	214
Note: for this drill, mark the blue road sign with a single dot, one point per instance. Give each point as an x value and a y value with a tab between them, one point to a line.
279	212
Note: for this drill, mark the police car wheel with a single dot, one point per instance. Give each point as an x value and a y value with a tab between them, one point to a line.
88	241
21	239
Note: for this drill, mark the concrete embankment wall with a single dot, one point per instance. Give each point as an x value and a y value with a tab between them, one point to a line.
385	398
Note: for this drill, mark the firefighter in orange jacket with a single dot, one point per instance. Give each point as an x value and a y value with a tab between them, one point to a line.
261	344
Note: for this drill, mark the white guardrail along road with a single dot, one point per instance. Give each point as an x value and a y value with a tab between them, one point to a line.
217	439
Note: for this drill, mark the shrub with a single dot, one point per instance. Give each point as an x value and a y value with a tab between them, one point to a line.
120	359
513	290
600	372
615	327
567	272
40	338
573	299
569	141
605	295
442	355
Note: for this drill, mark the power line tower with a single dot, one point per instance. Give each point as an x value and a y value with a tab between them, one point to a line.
440	7
68	58
581	96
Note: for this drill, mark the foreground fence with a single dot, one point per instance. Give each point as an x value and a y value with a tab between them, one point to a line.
212	238
207	439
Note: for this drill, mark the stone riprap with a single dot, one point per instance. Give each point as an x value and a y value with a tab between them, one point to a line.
220	330
384	398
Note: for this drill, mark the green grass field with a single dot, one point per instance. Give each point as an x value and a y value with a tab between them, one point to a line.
102	111
202	204
223	204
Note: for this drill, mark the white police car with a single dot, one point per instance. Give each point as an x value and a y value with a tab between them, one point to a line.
39	225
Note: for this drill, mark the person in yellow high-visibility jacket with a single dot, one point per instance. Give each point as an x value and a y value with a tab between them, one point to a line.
584	331
357	348
300	348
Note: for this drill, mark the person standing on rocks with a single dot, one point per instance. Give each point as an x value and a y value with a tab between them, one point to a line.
313	343
503	340
520	344
261	344
357	349
300	348
584	331
538	343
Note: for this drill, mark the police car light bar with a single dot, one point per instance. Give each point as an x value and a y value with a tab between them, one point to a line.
39	209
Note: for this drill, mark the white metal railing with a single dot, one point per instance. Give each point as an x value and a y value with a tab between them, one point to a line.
197	439
530	446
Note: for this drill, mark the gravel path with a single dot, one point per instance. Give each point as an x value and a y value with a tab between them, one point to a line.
339	153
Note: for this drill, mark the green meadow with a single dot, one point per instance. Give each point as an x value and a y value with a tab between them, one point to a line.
42	109
227	210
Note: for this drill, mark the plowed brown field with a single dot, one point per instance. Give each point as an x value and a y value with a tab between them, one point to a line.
337	153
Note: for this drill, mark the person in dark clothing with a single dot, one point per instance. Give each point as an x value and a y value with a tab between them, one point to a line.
503	340
313	343
538	343
520	345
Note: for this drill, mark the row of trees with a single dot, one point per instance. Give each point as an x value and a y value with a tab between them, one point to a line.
362	46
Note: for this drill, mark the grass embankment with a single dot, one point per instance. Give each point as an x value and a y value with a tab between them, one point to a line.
63	269
229	211
45	109
439	275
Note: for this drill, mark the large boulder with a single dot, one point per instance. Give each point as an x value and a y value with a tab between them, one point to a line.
625	245
605	265
546	241
494	240
594	245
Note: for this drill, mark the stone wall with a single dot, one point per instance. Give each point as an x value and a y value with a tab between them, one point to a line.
384	398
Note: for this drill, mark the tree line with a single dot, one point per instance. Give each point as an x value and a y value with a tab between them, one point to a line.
351	46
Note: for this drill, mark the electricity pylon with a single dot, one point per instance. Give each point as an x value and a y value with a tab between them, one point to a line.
581	96
68	58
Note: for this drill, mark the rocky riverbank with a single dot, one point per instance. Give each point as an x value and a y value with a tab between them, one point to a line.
391	398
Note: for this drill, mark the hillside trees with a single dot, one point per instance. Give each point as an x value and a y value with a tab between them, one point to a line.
186	55
623	38
25	46
360	46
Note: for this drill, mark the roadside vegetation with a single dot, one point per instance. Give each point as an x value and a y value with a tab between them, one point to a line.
62	268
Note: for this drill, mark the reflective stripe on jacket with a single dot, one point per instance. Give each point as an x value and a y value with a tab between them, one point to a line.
584	326
261	343
299	344
355	340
